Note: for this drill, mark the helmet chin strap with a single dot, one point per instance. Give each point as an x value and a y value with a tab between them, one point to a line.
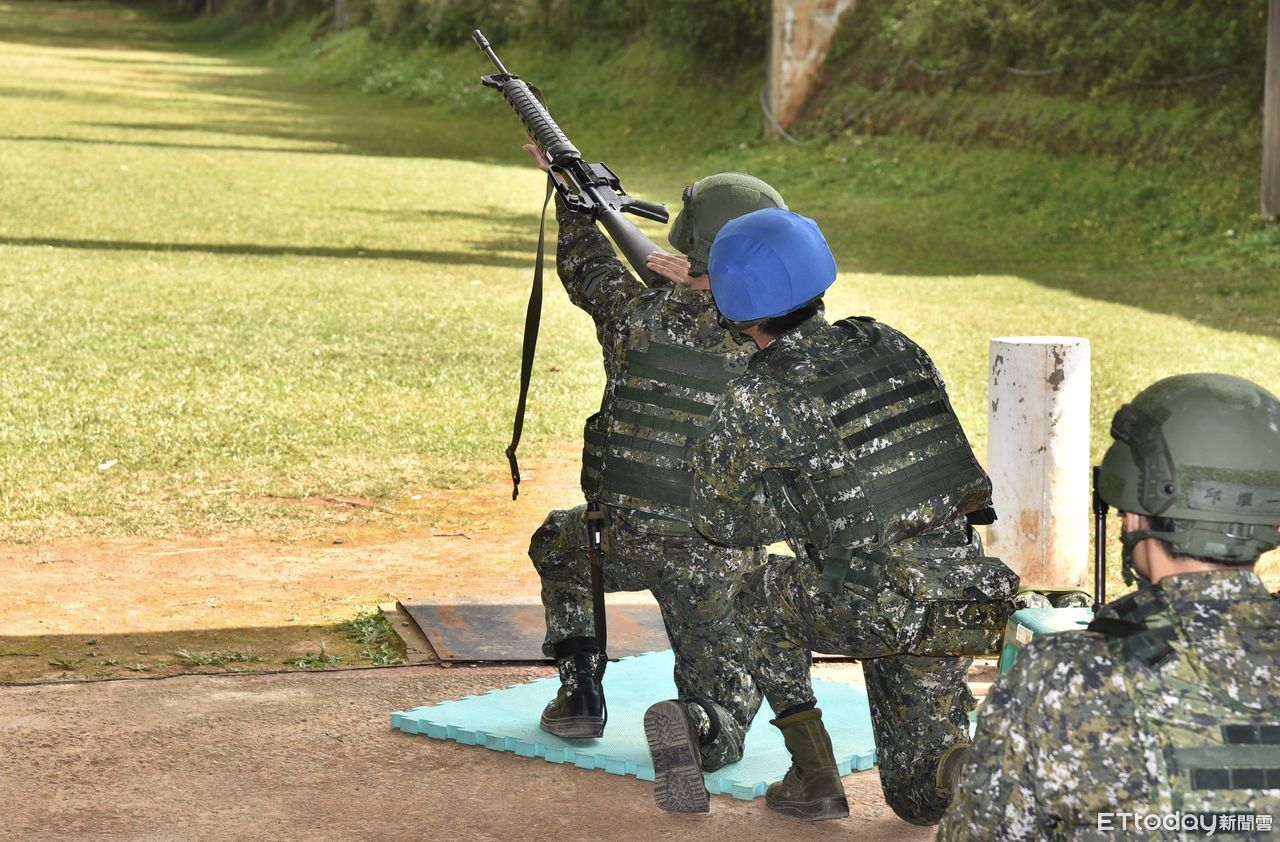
1128	541
739	328
1194	539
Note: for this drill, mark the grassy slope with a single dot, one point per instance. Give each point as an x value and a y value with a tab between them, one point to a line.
238	281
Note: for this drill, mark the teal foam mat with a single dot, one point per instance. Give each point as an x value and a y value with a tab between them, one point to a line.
507	720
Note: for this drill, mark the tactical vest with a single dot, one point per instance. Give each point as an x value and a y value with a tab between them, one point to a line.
907	466
637	449
1217	755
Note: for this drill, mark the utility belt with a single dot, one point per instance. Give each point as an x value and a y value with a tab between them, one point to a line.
837	564
644	523
953	606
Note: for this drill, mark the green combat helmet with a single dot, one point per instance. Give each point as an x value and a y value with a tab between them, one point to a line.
1203	451
711	202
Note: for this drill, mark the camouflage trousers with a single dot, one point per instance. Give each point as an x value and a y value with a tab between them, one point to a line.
694	583
920	704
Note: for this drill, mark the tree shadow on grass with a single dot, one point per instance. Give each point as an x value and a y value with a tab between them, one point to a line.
152	654
350	253
204	147
77	25
1241	298
496	217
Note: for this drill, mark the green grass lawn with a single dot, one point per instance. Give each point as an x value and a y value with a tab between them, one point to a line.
225	287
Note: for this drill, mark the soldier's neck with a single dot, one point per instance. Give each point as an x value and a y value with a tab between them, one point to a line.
759	336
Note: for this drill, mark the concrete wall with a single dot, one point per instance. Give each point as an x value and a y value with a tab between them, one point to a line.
798	42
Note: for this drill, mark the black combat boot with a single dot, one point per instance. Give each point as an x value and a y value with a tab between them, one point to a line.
812	789
675	746
577	712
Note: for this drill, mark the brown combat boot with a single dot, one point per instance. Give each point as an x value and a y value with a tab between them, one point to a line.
812	789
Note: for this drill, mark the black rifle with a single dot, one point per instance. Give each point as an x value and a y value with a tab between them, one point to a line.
591	189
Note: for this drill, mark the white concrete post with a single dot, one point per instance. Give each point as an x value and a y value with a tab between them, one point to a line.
1038	457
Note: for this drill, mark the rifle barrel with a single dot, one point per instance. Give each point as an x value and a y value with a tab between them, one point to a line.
483	43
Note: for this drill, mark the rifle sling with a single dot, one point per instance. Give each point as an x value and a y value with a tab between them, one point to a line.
532	318
595	522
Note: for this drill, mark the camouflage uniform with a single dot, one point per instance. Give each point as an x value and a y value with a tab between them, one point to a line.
1062	737
693	581
919	703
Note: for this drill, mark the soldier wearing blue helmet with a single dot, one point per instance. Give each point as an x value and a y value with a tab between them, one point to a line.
840	439
666	359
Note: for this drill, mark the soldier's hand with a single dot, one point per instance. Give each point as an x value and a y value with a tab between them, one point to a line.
673	267
538	157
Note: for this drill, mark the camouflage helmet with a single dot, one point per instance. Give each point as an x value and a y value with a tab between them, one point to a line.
1204	451
711	202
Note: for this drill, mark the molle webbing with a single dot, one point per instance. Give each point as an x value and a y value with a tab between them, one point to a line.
908	466
847	376
593	438
657	410
923	460
1231	766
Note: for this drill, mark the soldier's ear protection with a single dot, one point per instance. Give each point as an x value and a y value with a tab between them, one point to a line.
1157	482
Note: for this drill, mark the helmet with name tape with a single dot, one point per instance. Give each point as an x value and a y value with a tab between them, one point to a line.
1203	452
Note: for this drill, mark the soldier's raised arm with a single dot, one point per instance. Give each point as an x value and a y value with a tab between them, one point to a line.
596	280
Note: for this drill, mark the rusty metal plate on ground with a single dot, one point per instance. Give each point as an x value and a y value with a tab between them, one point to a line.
514	631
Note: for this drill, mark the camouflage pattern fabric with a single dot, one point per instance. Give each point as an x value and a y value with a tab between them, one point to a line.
693	581
762	422
600	284
919	704
695	584
784	614
1062	740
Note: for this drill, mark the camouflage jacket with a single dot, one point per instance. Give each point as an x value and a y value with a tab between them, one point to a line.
1061	746
763	422
620	304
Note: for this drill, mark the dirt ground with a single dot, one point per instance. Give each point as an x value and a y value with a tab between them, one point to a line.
115	607
312	756
300	754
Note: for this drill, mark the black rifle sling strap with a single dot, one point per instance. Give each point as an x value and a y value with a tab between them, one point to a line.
532	318
595	521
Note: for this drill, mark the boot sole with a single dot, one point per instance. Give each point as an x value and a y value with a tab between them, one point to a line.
574	727
677	761
812	811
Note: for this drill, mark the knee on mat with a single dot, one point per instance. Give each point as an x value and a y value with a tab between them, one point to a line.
920	803
918	810
726	748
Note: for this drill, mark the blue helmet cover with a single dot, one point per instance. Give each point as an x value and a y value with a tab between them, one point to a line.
768	263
